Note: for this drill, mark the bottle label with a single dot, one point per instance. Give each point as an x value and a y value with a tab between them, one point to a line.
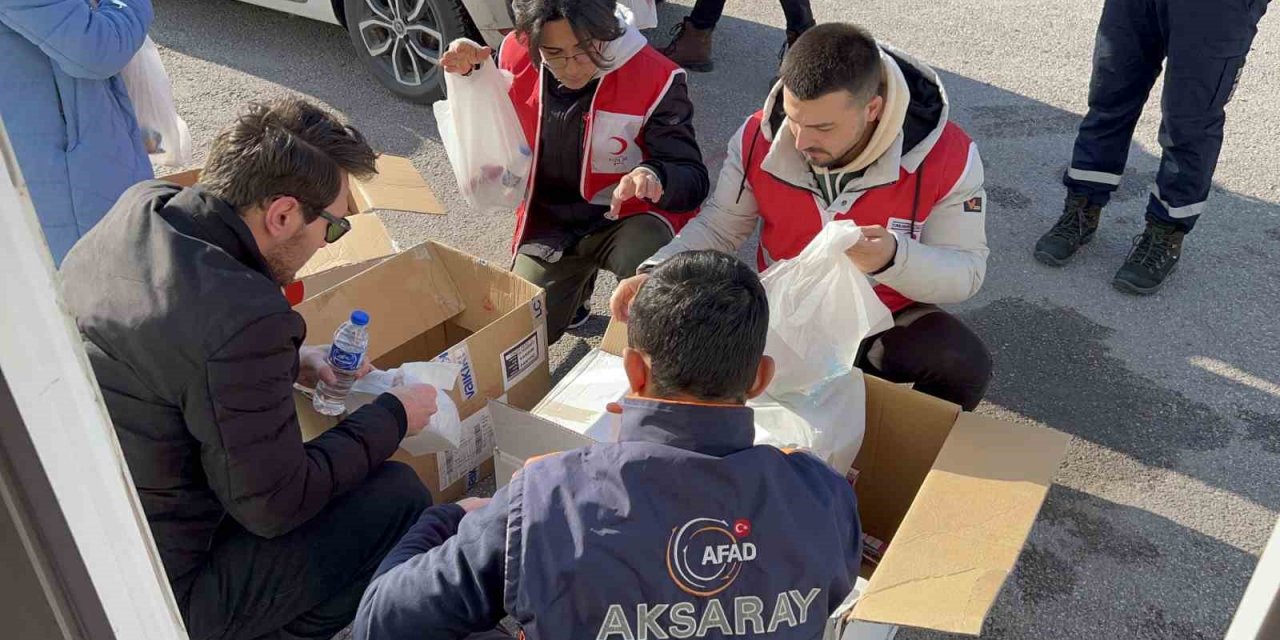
344	360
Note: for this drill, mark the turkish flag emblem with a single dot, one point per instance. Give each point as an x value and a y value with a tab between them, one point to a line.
741	527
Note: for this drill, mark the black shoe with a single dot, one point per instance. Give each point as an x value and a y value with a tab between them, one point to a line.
581	317
1154	257
1073	230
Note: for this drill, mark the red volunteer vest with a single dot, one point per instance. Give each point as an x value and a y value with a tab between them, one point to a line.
793	216
613	144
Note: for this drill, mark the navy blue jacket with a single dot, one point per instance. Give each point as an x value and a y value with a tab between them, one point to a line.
682	528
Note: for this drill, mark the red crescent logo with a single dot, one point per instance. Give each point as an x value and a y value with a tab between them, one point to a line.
622	145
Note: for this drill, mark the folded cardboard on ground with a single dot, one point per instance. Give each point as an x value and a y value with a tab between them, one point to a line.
397	187
435	303
955	494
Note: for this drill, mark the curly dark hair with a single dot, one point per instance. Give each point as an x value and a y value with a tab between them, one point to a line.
591	20
286	147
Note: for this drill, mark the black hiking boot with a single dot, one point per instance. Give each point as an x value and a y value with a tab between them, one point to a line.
1154	257
1073	230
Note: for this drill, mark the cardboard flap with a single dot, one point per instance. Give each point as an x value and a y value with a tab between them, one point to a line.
904	432
424	296
318	283
486	296
397	187
368	239
962	535
615	338
183	178
521	435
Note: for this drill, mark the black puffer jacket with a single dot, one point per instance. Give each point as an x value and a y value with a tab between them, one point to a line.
196	351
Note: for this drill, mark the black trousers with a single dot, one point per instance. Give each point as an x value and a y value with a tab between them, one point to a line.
706	13
1205	43
307	583
934	351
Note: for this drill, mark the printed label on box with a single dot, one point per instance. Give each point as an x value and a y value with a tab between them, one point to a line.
474	448
461	355
519	361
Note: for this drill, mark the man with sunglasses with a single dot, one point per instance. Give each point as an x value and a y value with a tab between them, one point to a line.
177	294
617	169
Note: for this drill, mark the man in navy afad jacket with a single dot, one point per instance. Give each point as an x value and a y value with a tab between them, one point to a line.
681	529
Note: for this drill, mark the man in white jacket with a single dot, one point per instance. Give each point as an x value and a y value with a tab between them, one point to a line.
859	131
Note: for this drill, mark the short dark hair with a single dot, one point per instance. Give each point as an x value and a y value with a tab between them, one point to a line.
590	19
702	318
831	57
285	147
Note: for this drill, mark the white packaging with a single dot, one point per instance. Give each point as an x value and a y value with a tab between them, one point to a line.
829	424
481	134
821	308
641	14
165	134
444	430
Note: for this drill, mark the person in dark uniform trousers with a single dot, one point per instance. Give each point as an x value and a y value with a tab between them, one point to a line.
1206	43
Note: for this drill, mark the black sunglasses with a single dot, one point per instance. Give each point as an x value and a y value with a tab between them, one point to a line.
336	228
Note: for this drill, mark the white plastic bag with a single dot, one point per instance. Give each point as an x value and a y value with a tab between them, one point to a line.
641	14
821	308
482	136
828	422
164	133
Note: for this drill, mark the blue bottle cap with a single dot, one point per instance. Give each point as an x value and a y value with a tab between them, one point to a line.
359	318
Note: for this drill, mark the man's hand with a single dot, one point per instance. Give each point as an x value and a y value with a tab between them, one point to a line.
620	303
313	366
473	504
419	402
641	183
463	57
874	250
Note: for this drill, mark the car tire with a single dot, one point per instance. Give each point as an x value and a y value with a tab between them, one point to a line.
392	36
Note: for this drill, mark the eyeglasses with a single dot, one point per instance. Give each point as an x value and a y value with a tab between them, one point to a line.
559	63
337	228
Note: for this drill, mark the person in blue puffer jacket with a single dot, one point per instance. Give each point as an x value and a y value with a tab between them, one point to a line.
66	110
681	528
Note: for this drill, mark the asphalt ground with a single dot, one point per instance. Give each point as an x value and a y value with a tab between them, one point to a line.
1170	487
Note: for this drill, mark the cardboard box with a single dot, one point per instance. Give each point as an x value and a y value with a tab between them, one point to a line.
954	495
433	302
397	187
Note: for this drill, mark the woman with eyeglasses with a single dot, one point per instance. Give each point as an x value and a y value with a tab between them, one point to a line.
617	169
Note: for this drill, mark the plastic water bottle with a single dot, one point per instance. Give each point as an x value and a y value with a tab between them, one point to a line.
345	355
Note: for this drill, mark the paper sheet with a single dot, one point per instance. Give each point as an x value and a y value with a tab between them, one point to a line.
444	430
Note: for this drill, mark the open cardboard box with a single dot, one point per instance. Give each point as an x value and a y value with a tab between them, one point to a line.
397	187
954	493
432	302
